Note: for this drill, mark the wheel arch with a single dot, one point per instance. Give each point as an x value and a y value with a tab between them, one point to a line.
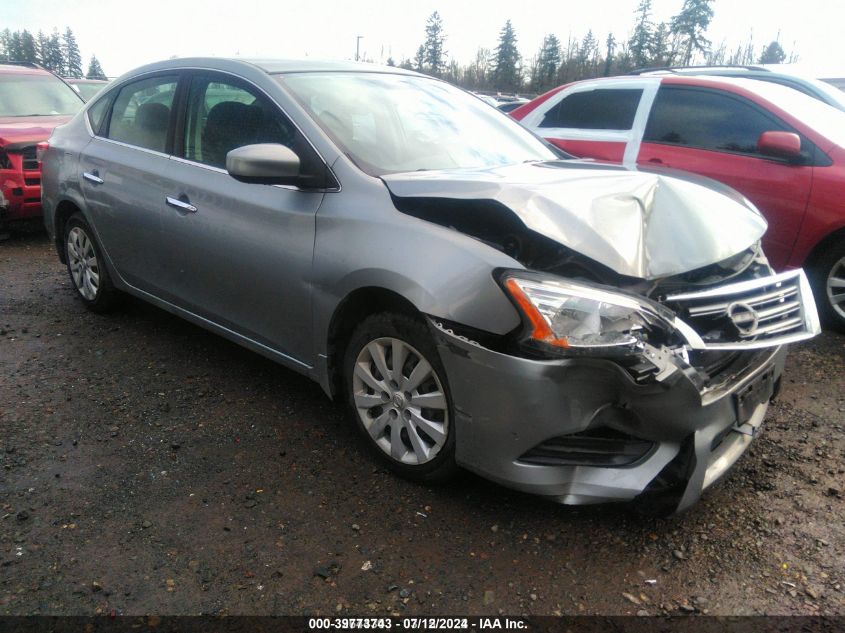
820	249
64	209
351	310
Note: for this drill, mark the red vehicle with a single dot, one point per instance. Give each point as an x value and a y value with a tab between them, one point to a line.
783	150
33	101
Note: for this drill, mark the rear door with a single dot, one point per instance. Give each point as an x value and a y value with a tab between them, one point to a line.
239	254
122	171
714	133
601	120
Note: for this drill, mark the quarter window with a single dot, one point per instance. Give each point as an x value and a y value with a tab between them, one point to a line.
141	113
223	117
96	113
602	109
707	120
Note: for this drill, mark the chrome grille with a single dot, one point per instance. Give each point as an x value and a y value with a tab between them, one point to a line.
749	314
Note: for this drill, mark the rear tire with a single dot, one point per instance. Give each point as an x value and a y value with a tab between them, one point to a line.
86	267
828	281
398	396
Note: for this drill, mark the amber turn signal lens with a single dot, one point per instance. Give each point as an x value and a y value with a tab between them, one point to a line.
539	326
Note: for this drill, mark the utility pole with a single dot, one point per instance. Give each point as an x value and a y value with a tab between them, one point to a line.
358	47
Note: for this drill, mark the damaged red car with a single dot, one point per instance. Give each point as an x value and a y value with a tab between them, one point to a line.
33	101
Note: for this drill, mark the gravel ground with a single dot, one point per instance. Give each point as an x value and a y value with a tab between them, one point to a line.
152	467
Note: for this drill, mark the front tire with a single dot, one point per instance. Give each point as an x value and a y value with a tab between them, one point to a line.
85	265
829	287
397	393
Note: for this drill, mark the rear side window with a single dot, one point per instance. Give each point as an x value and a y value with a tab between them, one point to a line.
707	120
602	109
141	113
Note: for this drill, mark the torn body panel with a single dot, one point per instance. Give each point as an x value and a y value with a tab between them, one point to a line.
638	224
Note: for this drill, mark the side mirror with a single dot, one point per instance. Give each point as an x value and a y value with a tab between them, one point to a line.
264	163
780	145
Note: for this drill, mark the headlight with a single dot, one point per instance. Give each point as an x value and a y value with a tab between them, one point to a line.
575	316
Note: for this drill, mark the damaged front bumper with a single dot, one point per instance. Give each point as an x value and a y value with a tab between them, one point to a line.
583	430
20	182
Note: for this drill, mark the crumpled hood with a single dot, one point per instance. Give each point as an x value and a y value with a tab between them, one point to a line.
14	130
640	224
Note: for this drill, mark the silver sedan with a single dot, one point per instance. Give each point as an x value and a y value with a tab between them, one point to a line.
576	330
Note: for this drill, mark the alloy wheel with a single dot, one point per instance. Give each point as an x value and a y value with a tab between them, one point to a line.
82	260
400	400
836	287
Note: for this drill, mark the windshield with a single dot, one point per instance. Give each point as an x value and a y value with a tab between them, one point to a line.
88	90
394	123
36	95
831	92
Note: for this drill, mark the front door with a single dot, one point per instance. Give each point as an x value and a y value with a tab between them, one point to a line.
239	254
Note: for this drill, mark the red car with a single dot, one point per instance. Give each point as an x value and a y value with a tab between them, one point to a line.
783	150
33	101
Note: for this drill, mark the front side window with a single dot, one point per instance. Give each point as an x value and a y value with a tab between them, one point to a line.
223	116
24	94
600	109
707	120
141	113
390	123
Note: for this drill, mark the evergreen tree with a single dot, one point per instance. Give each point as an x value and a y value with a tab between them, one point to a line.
419	59
507	73
95	71
5	43
28	49
662	50
690	25
548	60
73	59
608	58
773	54
42	42
640	44
390	61
14	46
434	56
52	57
588	55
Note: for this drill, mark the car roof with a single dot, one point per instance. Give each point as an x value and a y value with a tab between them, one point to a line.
745	83
764	89
808	85
23	68
274	66
270	66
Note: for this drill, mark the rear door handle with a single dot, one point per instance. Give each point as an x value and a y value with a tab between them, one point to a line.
181	203
93	176
655	161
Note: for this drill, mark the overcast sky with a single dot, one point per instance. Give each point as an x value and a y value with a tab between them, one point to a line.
124	35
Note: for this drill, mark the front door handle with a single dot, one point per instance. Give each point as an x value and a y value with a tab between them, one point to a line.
93	176
181	203
655	161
